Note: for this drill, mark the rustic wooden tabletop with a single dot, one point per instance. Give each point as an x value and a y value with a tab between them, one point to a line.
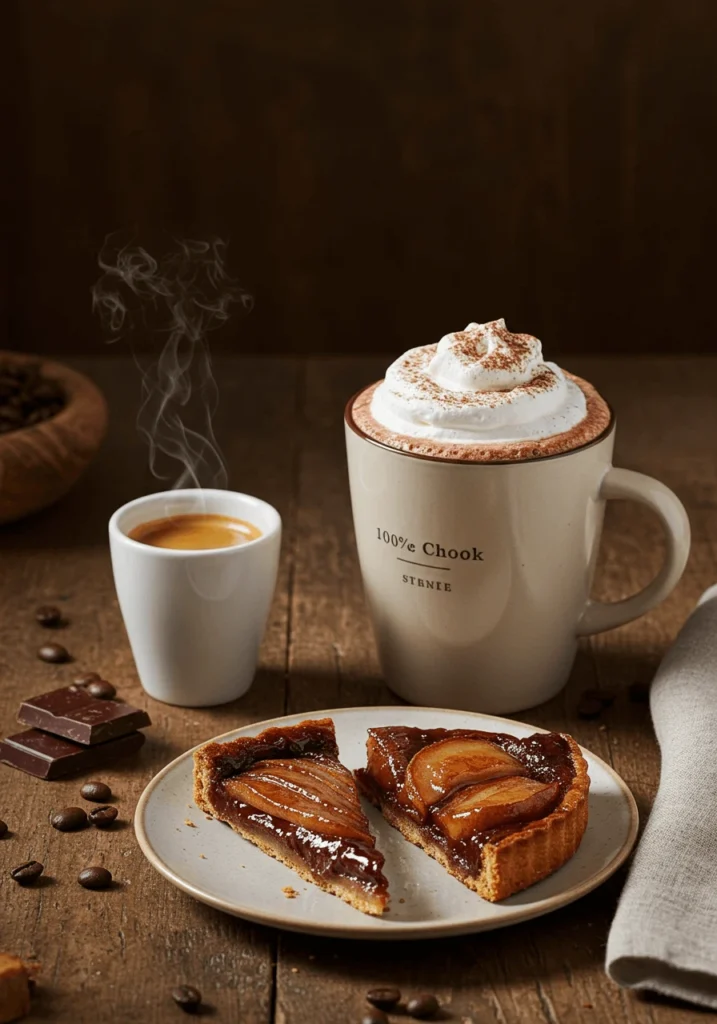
114	955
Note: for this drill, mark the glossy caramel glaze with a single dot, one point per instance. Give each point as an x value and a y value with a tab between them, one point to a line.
226	771
545	756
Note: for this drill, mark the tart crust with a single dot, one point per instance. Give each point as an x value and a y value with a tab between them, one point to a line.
217	761
509	862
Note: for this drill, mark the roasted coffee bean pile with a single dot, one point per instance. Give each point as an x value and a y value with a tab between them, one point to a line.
26	397
386	1000
73	819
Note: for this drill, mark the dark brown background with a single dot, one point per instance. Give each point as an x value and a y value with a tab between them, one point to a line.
384	172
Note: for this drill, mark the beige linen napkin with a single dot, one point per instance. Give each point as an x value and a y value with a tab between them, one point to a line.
664	935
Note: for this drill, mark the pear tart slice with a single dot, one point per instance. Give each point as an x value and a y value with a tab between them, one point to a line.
286	791
497	812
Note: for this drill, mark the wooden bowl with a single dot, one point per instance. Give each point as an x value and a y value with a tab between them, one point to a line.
39	464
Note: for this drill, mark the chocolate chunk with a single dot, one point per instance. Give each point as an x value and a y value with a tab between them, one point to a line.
48	615
73	713
640	693
69	819
3	828
27	873
49	757
87	677
383	998
54	653
422	1007
94	878
374	1016
102	817
99	792
101	689
187	997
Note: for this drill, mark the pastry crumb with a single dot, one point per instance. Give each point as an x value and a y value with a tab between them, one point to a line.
189	822
402	900
294	970
202	857
289	892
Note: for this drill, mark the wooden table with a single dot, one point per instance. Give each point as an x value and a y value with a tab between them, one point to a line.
113	956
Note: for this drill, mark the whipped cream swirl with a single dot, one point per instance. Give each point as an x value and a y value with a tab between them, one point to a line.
476	386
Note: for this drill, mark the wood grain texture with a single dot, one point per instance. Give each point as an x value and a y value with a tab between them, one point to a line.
113	956
384	173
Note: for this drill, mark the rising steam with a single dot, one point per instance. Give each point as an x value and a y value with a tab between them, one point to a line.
183	296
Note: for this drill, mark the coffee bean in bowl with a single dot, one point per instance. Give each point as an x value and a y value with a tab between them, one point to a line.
26	874
48	615
94	878
69	819
102	817
55	654
98	792
187	998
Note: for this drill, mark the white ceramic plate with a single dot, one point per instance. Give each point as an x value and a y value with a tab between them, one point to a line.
218	867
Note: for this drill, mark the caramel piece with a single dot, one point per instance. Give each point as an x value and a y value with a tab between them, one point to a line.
14	987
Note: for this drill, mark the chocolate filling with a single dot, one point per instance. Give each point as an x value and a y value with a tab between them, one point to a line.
546	757
327	857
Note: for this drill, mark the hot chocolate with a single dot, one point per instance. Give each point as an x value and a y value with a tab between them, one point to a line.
481	395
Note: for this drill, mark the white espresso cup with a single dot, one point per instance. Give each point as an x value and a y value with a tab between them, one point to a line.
195	619
478	575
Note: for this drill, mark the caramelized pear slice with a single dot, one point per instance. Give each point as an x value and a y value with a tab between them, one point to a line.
439	769
492	804
317	793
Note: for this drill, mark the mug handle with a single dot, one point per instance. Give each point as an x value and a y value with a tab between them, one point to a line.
623	483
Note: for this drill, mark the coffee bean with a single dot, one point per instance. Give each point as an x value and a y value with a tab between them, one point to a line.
99	792
606	697
589	707
54	653
422	1007
374	1016
3	828
187	997
640	693
49	616
383	998
94	878
27	873
87	677
102	817
69	819
101	689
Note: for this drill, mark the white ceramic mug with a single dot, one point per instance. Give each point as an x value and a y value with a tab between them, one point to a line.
195	619
478	575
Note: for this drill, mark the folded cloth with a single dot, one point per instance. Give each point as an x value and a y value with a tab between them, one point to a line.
664	935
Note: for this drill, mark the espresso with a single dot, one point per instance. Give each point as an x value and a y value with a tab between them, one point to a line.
195	531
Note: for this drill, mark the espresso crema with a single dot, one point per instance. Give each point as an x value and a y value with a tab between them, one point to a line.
481	395
195	531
